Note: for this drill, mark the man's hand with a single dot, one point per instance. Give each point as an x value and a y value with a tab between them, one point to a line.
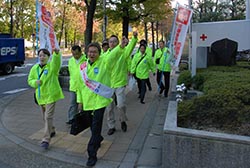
80	107
124	42
38	82
56	50
135	34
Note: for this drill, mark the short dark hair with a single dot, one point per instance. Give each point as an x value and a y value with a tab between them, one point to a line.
94	44
143	42
76	47
45	51
115	36
162	41
105	42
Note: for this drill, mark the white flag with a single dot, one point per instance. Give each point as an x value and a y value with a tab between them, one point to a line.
47	35
179	33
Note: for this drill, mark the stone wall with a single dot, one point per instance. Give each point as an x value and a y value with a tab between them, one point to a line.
189	148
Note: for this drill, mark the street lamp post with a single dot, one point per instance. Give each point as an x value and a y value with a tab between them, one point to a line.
190	39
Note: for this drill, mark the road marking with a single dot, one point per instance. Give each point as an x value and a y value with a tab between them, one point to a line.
24	66
15	91
21	74
13	75
64	61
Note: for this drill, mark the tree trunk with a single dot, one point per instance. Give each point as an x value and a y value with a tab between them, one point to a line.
153	38
157	34
146	31
89	25
11	18
66	38
125	24
63	19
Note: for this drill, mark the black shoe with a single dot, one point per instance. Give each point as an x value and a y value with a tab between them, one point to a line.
45	145
69	122
91	161
142	102
111	131
161	91
52	134
124	126
165	94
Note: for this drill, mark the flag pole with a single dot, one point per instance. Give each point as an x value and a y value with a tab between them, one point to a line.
37	31
170	48
37	28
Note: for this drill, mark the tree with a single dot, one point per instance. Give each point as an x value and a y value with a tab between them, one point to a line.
16	18
215	10
91	6
155	16
136	11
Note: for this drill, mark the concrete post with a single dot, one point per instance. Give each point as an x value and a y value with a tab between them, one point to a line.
194	52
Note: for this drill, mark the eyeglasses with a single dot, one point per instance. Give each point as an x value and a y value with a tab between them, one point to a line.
113	41
93	52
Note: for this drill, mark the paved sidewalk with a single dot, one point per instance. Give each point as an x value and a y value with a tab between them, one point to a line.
22	124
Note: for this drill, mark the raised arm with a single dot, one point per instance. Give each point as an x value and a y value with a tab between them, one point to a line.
116	52
131	45
56	60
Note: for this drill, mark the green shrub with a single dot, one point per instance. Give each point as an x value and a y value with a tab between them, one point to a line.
183	66
186	78
198	81
219	109
225	104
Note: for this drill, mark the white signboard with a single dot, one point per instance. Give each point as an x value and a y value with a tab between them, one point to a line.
209	32
47	35
179	32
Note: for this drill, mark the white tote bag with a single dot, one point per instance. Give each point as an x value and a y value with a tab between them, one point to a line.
131	83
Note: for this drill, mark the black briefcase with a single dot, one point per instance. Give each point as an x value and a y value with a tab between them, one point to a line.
80	122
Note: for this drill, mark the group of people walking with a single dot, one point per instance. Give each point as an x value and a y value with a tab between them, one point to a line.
97	83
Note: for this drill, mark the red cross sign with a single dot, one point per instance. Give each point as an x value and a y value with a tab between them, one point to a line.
203	37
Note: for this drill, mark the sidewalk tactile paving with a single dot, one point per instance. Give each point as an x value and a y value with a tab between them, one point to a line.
22	118
77	148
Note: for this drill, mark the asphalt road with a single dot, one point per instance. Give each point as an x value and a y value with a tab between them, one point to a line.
12	155
17	81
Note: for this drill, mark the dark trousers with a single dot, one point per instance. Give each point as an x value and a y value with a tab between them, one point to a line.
139	84
143	88
163	86
149	84
96	129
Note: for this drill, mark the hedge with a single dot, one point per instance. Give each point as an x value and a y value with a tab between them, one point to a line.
225	104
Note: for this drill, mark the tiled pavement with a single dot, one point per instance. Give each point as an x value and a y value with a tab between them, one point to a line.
23	124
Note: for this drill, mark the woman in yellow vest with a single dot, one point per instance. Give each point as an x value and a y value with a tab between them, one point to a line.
44	78
141	66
